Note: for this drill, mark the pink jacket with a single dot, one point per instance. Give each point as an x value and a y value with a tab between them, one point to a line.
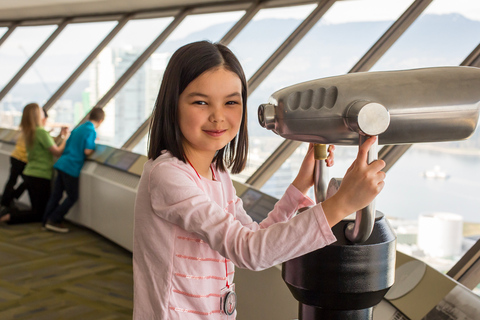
185	229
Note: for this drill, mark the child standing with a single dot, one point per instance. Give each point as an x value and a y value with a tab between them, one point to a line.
190	227
80	144
18	161
41	149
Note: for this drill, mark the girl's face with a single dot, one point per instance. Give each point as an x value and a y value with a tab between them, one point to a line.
210	111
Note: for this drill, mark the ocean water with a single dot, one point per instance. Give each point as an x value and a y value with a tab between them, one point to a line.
407	193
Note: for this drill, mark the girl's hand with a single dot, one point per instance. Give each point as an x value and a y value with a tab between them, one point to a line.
64	131
331	155
361	184
304	180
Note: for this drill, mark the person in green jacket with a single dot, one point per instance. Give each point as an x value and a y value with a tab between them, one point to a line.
41	149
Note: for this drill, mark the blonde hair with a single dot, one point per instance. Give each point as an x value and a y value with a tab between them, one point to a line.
30	122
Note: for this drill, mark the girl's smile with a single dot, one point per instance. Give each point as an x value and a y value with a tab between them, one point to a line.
215	133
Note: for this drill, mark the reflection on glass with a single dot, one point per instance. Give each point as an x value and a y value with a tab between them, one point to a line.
343	35
109	65
134	102
438	177
57	63
3	30
14	53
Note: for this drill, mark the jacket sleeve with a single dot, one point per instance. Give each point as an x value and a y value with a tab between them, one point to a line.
284	209
176	198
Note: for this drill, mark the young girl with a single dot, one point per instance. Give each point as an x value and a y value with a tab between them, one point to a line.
18	161
39	169
190	227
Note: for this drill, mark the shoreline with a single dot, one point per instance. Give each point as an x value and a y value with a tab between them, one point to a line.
463	152
470	229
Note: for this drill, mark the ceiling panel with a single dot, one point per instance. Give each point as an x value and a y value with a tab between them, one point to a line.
41	9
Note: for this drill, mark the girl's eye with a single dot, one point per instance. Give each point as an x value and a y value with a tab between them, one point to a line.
203	103
232	103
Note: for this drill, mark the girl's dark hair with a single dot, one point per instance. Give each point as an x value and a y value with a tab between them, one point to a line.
185	65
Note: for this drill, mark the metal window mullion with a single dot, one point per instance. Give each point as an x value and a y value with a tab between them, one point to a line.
391	153
391	36
68	83
467	269
470	278
34	58
10	30
288	44
137	64
141	131
473	59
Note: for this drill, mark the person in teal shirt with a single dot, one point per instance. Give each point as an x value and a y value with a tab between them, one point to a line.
41	149
80	144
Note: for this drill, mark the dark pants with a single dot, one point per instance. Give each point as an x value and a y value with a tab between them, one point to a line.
9	192
55	211
39	192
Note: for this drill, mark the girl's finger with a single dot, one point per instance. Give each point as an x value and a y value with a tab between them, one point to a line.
364	148
377	165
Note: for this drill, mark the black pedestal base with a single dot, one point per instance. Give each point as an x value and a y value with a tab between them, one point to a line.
344	280
306	312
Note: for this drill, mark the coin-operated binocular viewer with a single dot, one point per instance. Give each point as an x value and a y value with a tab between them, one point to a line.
347	278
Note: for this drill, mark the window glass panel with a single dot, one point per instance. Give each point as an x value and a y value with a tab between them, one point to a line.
279	182
265	33
58	62
134	102
438	177
443	35
142	146
333	46
3	30
109	65
14	53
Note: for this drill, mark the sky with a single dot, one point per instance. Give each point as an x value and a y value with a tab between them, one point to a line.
372	10
341	12
380	10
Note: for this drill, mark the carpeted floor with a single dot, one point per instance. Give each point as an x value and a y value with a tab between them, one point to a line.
78	275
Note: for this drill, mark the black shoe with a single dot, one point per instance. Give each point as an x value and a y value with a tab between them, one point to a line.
56	227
